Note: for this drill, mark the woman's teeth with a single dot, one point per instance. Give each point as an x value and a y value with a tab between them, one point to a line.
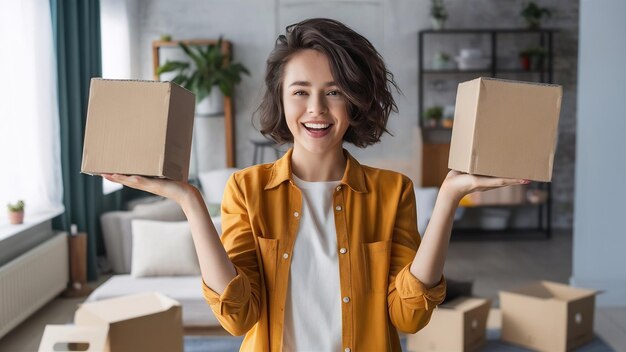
316	126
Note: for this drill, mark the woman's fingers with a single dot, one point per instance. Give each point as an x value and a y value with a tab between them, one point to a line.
133	181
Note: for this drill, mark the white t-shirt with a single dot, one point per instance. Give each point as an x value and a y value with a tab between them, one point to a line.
313	307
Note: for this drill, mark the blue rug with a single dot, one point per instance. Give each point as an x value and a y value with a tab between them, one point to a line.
232	343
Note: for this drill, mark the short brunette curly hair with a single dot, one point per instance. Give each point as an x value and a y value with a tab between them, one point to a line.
356	66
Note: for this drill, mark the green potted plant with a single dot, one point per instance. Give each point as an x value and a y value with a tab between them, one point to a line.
532	14
532	59
211	68
438	14
16	212
433	115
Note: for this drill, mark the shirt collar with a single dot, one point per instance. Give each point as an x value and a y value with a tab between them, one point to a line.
353	176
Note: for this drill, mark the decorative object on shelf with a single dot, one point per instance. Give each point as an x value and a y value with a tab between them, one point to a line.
166	37
532	14
211	68
532	59
472	59
432	115
443	61
438	14
448	116
16	212
536	196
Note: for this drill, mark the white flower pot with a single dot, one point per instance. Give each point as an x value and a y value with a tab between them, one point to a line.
212	104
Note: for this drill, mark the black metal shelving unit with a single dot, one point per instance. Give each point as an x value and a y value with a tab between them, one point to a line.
545	75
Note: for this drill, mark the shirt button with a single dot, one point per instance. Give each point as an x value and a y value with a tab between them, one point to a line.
296	214
347	349
338	208
343	251
346	299
285	255
338	188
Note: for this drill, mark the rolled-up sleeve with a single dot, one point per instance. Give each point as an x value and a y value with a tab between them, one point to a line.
238	307
409	301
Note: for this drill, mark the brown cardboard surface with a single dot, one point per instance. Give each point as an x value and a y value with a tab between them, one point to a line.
75	338
458	325
141	322
547	316
138	128
505	128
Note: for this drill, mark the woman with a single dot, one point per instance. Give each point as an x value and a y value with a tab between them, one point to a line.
320	253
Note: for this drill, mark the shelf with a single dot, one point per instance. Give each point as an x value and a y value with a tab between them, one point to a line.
508	234
488	71
488	30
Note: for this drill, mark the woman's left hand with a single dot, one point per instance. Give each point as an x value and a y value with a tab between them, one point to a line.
459	184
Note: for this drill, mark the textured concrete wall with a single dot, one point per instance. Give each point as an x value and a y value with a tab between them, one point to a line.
392	26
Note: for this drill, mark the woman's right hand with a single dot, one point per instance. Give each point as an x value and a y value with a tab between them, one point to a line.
175	190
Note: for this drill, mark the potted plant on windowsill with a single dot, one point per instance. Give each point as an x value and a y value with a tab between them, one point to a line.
211	68
16	212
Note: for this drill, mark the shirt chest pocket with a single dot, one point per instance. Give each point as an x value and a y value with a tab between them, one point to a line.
269	257
375	260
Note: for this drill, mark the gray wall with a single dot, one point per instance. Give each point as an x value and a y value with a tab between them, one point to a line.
599	259
392	26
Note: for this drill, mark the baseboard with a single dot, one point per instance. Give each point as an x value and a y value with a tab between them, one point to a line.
612	292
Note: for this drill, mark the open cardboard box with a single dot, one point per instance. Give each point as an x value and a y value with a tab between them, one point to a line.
138	128
458	325
505	128
140	322
547	316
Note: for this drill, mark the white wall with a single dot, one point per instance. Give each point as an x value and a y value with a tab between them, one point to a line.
390	25
599	258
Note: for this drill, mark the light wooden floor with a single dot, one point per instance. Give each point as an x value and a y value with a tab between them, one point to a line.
493	265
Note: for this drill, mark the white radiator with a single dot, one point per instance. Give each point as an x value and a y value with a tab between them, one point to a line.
31	280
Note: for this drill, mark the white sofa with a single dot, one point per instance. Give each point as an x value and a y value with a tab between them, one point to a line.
117	233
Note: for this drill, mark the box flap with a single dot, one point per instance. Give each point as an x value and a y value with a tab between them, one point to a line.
552	291
464	304
124	308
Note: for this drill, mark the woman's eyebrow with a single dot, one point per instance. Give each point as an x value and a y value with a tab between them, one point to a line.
308	84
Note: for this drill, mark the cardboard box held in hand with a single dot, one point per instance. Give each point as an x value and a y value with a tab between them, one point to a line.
140	322
505	128
547	316
138	128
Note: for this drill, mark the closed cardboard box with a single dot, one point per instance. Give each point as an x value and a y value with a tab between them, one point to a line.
547	316
458	325
140	322
505	128
138	128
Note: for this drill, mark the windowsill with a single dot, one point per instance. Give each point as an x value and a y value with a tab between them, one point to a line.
30	220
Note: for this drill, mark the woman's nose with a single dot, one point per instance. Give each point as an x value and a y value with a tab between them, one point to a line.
317	105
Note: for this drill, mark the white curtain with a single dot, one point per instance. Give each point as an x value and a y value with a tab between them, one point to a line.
30	161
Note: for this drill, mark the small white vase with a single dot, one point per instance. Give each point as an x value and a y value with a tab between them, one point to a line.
437	23
213	104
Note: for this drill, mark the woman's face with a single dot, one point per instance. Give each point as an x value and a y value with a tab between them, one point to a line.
315	108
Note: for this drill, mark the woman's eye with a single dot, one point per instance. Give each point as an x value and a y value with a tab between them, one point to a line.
299	93
334	93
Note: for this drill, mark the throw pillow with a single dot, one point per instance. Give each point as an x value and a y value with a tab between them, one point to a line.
162	248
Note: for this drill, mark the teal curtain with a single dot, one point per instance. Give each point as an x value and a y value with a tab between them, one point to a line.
76	27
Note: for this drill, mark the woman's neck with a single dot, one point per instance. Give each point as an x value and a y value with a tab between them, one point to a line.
318	167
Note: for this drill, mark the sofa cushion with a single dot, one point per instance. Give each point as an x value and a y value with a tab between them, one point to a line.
187	290
163	248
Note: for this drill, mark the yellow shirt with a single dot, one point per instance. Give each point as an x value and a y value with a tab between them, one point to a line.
377	238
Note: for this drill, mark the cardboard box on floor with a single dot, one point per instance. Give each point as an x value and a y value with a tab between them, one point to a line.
505	128
140	322
547	316
458	325
73	338
138	128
